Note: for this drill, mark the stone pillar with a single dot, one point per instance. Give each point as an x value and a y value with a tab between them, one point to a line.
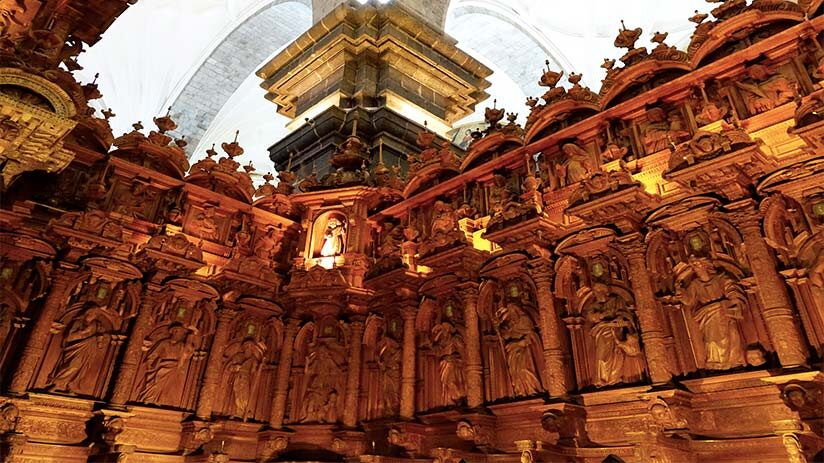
474	368
350	408
127	369
553	336
61	281
649	312
407	407
778	312
282	381
211	377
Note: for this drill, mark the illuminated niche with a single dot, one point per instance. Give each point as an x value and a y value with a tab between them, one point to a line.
328	242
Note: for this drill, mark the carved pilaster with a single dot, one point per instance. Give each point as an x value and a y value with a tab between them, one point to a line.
474	368
36	343
208	390
284	366
649	313
127	368
407	407
553	336
778	313
350	412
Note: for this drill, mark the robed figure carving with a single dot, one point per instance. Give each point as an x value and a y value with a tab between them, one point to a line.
333	238
166	363
84	347
517	334
242	376
389	365
448	345
325	379
618	355
716	302
576	166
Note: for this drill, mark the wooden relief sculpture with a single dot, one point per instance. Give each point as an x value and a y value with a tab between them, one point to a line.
174	360
763	89
603	325
716	301
321	401
508	312
389	366
615	335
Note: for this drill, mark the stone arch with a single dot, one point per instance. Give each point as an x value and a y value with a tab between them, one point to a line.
276	24
512	30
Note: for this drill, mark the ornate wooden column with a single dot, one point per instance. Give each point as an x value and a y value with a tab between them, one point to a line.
350	408
127	369
282	381
61	281
208	390
553	335
474	368
649	312
407	406
778	313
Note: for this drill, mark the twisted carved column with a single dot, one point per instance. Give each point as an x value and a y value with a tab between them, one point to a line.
778	312
474	368
128	365
649	312
35	344
282	381
553	336
208	390
350	408
407	407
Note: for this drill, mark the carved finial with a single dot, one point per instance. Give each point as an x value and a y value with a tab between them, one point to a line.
575	79
108	114
138	126
237	132
659	37
95	78
608	64
698	18
211	151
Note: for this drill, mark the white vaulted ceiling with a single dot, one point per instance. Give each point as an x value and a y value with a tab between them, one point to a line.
199	56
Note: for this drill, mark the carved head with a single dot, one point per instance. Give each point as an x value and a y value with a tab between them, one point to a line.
758	72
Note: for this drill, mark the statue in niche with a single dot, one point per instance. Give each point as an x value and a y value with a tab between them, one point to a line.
391	239
205	225
448	345
268	246
617	342
443	224
716	302
389	365
243	371
661	131
577	165
517	334
333	238
166	365
763	90
84	346
324	365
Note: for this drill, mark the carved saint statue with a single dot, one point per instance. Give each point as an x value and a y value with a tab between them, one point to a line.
206	226
389	364
243	373
763	90
84	346
661	132
576	166
516	332
323	376
166	366
333	238
716	302
617	343
448	345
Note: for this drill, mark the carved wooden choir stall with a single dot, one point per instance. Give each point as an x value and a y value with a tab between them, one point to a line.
636	274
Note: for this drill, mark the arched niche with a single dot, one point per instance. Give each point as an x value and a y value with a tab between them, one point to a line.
328	240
